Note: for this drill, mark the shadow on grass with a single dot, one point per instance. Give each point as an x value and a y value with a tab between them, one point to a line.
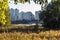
27	29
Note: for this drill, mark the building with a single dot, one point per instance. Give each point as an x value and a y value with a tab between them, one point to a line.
25	11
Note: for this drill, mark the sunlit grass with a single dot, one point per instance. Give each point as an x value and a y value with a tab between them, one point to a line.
47	35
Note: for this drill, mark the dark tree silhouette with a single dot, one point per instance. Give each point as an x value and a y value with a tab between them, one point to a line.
51	15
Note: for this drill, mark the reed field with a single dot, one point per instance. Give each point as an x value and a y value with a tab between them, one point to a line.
43	35
21	33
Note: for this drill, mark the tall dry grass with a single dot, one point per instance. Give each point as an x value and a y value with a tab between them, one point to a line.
43	35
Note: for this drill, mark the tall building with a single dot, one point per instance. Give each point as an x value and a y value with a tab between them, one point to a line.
26	11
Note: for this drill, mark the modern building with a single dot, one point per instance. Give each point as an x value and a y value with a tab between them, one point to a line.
24	11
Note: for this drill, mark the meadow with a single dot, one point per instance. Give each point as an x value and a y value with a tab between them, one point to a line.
46	35
21	33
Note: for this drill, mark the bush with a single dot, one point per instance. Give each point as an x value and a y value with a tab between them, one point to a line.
4	12
51	15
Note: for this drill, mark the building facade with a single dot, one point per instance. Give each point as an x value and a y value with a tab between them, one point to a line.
25	11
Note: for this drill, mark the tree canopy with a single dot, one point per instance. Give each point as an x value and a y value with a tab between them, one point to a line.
51	15
3	12
36	1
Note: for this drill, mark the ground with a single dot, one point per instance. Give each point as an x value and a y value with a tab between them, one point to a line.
27	33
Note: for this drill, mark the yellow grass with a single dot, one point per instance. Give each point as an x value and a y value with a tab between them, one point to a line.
46	35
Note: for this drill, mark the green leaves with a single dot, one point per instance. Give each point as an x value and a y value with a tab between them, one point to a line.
36	1
21	1
3	12
51	17
54	0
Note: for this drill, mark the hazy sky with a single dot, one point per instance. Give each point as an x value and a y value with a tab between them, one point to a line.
32	7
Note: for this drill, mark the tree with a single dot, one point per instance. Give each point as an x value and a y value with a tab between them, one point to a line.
3	12
21	1
51	15
41	2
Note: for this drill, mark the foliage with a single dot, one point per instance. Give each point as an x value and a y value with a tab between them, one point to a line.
3	12
21	1
36	1
50	16
8	17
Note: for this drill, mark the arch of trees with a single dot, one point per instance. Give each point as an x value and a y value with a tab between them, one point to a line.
36	1
4	10
50	16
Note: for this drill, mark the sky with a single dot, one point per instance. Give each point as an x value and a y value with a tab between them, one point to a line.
32	7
